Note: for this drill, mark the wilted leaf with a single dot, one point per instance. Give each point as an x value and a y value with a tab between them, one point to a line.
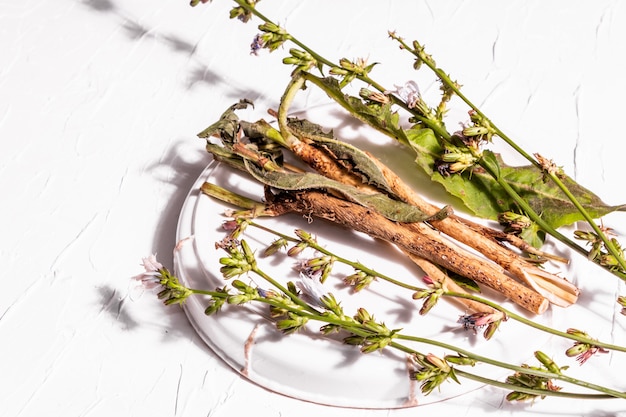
354	159
391	209
228	125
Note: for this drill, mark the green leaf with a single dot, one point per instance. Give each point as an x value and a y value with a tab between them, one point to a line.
379	116
465	282
482	194
392	209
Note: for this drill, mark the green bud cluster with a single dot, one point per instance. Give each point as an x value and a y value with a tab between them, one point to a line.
433	371
532	381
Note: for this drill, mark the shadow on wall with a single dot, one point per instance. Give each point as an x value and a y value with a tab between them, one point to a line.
198	73
186	172
186	169
136	31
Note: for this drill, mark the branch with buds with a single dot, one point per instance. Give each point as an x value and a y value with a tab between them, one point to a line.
293	307
349	187
460	152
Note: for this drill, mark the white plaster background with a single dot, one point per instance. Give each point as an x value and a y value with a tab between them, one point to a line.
100	101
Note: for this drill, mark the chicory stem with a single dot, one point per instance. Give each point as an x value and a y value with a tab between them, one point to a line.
535	324
508	313
531	391
444	134
302	309
446	80
515	368
607	243
365	332
529	211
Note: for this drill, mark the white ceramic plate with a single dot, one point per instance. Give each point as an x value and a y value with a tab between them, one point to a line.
307	365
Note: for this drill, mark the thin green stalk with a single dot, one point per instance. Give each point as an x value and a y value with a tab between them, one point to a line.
445	79
295	84
508	313
356	265
453	86
306	311
549	229
529	211
322	60
514	368
341	100
370	331
255	12
439	130
607	243
206	292
531	391
533	324
284	290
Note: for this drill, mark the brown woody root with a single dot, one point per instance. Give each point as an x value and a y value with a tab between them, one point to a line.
558	290
419	239
436	274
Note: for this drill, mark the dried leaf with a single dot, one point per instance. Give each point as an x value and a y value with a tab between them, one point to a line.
227	126
391	209
354	159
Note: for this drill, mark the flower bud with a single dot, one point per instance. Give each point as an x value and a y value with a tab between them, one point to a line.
303	234
292	324
298	53
576	332
270	27
418	295
460	360
362	316
290	60
238	299
547	362
276	245
373	346
247	251
584	235
228	261
240	285
428	280
438	362
429	303
354	340
513	222
577	349
609	261
338	71
475	131
348	65
297	249
214	306
230	225
374	96
518	396
491	329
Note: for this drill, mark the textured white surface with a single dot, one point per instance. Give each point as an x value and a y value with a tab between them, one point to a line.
100	101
